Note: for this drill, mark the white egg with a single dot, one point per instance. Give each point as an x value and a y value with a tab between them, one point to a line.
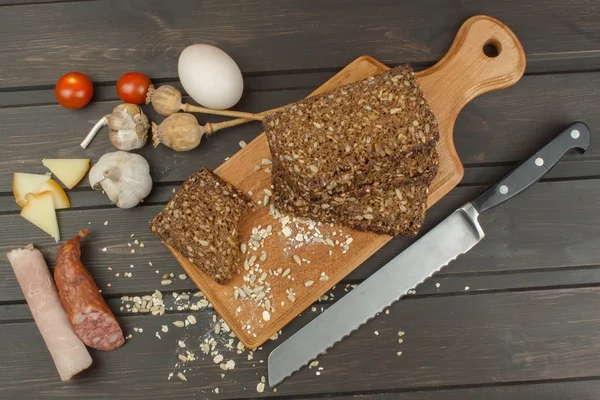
210	76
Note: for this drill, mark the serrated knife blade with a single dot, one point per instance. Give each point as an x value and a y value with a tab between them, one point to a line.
455	235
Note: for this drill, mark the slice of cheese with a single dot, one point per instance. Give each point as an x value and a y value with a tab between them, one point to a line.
39	210
27	183
68	170
59	196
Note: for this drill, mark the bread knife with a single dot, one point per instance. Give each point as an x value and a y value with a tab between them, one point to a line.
454	236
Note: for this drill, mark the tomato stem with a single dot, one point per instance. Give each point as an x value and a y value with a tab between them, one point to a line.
103	121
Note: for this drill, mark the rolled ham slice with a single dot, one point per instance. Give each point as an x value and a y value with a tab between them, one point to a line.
67	350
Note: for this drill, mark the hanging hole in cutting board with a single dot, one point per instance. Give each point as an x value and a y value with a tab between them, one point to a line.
492	48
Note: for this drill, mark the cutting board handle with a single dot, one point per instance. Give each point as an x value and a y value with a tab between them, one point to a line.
466	71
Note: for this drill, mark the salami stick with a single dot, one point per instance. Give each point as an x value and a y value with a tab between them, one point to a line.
91	318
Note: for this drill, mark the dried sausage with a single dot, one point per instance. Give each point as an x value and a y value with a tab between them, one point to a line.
89	314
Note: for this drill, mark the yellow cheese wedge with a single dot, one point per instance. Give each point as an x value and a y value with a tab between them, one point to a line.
68	170
39	210
27	183
59	196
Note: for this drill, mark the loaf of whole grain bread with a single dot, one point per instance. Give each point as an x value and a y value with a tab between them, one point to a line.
202	223
346	137
394	210
418	167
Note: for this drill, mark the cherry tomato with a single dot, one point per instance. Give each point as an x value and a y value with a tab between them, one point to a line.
73	90
132	87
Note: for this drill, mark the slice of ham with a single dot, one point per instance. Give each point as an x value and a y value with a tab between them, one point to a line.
67	350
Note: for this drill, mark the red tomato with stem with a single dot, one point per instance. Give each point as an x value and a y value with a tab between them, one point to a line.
73	90
132	87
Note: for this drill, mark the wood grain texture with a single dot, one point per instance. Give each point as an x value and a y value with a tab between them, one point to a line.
479	176
493	132
464	73
486	342
447	92
39	42
439	286
507	337
541	230
553	390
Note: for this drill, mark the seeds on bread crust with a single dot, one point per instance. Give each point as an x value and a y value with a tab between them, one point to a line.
327	142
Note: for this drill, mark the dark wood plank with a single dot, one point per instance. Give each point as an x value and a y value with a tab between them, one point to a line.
511	124
496	128
447	283
88	198
552	390
439	285
544	227
54	132
149	35
552	336
107	91
114	237
540	229
575	167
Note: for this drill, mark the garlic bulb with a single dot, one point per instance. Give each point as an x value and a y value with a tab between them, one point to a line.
128	127
165	99
180	132
125	177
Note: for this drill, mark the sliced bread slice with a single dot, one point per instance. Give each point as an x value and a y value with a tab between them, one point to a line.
352	131
418	167
393	211
202	223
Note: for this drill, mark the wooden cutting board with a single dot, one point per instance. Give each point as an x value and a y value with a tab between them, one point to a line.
462	74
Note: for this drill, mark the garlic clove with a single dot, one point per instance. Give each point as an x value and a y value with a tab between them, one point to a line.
180	132
165	99
128	127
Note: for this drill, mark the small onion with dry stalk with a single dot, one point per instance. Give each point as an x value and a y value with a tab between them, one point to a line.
166	100
182	132
128	127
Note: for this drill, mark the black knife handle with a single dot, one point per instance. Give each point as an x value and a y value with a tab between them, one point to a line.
577	136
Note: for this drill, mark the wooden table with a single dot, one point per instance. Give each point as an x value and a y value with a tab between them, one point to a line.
527	327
